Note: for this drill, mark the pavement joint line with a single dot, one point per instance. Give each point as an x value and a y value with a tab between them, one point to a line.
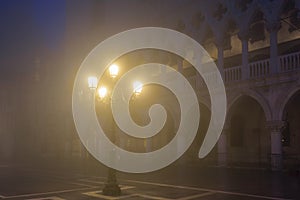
196	196
87	179
48	198
91	181
97	195
123	187
126	187
248	195
59	178
44	193
152	197
237	167
97	177
168	185
209	190
81	184
76	183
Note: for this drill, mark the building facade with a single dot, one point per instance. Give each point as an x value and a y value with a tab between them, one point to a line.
255	44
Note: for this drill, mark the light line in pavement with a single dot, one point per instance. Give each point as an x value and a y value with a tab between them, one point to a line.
196	196
123	187
47	198
81	184
97	194
91	181
209	190
152	197
44	193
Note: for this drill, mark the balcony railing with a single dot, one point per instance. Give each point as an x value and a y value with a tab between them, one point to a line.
233	73
259	69
289	62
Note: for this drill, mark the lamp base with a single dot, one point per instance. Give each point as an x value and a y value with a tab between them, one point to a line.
111	190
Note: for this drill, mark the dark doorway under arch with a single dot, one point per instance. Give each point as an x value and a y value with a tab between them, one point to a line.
291	131
247	138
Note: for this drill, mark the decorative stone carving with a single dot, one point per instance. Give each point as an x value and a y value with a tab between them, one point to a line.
273	26
272	11
244	34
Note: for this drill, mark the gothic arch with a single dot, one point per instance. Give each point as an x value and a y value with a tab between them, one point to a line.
256	96
284	101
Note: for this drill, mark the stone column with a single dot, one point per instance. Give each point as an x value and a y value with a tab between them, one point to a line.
222	147
221	60
244	37
276	144
297	5
273	28
219	42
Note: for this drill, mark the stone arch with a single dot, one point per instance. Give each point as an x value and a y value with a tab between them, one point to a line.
284	102
257	26
288	112
256	96
251	9
248	140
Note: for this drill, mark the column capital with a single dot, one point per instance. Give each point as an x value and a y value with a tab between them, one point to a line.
244	34
273	26
275	125
219	39
219	43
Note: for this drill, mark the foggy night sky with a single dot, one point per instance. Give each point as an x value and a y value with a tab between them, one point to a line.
28	29
41	29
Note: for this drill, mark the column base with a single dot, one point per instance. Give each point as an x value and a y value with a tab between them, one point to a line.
276	162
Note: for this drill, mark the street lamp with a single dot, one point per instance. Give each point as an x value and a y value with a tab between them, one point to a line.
102	92
137	87
114	70
92	82
111	187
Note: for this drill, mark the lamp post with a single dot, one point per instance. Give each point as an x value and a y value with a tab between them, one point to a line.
111	187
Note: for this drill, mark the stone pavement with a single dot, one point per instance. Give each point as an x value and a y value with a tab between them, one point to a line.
176	182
